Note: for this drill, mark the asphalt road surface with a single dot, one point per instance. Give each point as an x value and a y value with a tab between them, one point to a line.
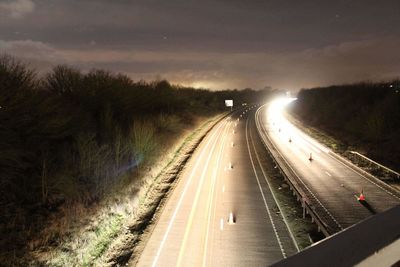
332	184
222	177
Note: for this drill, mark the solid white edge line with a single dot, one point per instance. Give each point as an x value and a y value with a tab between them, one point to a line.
262	194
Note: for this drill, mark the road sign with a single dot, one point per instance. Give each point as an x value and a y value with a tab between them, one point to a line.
229	103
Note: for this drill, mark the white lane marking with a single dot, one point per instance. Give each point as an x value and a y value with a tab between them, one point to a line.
327	173
195	202
262	194
212	197
221	224
274	197
181	198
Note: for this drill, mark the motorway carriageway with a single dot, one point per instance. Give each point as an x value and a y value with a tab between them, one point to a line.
223	176
331	183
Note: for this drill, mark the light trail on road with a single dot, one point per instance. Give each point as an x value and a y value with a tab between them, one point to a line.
194	227
155	261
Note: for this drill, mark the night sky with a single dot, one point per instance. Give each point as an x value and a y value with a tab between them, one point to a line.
213	44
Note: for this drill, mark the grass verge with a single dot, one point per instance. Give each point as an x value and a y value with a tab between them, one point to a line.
98	236
130	243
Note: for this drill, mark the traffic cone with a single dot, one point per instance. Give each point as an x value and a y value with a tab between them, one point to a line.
231	219
230	167
361	197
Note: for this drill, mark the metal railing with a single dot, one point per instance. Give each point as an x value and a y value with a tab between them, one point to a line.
293	180
376	163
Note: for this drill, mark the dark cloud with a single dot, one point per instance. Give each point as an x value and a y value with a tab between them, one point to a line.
17	8
219	43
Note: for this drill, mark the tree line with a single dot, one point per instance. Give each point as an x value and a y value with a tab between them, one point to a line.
68	136
363	115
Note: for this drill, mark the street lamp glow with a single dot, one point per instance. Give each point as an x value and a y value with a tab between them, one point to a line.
276	108
276	117
280	103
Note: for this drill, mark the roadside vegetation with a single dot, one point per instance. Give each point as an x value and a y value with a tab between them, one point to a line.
364	117
71	140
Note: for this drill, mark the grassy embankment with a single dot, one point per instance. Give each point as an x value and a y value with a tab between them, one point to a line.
115	236
72	142
362	117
